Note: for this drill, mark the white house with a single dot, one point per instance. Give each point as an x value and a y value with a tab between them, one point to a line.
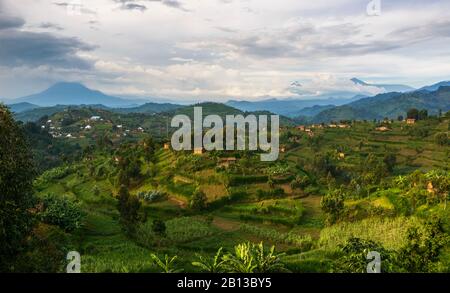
95	118
88	127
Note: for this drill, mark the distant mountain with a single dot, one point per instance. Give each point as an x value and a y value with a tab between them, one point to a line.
148	108
386	87
389	105
21	107
37	113
314	110
67	93
435	87
288	107
210	108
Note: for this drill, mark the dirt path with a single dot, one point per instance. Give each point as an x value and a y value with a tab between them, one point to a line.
225	224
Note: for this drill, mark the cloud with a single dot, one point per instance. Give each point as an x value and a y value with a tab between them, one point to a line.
24	48
8	22
49	25
75	6
132	5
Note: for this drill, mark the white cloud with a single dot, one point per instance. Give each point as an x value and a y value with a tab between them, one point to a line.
219	49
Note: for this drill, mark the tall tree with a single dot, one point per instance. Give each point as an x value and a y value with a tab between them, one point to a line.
16	188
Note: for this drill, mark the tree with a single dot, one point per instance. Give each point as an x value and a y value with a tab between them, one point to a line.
413	114
354	256
159	227
390	160
16	188
149	148
333	205
199	200
423	114
423	247
128	207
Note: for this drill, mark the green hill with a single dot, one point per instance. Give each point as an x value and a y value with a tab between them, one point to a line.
389	105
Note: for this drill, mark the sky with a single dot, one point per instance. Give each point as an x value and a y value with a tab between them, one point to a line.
218	50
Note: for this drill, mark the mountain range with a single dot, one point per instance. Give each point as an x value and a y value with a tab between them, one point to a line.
389	105
287	107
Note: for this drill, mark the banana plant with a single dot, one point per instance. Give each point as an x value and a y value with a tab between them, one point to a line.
214	265
166	265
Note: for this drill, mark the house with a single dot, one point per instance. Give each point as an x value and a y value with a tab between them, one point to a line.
95	118
410	121
283	149
382	129
308	130
344	126
167	146
199	151
301	128
88	127
140	129
226	162
69	135
332	126
341	155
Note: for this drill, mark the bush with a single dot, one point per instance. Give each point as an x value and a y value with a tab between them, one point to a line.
62	212
152	196
277	192
198	201
441	139
236	180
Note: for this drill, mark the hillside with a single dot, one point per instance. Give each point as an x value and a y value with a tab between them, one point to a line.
21	107
389	105
148	108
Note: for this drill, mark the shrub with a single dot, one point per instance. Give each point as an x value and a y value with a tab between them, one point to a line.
198	201
235	180
62	212
152	196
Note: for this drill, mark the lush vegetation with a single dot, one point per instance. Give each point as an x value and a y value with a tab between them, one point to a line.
129	205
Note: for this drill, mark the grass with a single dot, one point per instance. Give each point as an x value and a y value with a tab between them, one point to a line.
390	232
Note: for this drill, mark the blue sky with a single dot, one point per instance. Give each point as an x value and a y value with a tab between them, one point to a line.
221	49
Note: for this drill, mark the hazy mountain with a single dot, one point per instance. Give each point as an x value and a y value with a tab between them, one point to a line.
314	110
386	87
210	108
435	87
67	93
389	105
37	113
21	107
288	107
148	108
